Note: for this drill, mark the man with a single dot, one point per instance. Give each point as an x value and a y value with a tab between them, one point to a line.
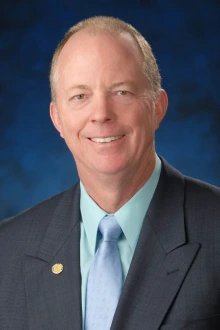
106	104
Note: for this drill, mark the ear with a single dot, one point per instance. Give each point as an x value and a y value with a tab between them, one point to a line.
161	105
55	117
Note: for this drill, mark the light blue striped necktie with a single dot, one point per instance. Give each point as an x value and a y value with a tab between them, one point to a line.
105	278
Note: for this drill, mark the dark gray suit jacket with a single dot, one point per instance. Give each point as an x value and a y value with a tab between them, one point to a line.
174	278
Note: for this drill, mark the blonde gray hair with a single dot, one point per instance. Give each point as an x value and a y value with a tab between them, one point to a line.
114	27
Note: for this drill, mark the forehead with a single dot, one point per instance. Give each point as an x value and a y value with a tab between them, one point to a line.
87	46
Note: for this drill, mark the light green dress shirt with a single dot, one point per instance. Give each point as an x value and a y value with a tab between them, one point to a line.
130	217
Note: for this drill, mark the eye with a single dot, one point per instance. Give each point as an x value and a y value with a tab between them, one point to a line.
123	92
79	97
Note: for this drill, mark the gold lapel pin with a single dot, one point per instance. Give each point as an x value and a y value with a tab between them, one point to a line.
57	268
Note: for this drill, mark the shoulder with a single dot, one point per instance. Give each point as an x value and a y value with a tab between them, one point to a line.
199	204
198	198
200	190
36	218
201	193
194	188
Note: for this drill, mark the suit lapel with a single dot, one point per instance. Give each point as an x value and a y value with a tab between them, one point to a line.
161	259
54	300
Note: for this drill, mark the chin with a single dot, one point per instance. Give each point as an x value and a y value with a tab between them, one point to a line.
102	167
110	170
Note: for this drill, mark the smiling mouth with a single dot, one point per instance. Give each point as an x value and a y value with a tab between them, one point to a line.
107	139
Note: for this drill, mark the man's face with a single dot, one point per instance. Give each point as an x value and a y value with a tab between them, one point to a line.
104	109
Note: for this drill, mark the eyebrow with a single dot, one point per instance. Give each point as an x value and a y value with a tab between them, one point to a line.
78	87
117	84
121	83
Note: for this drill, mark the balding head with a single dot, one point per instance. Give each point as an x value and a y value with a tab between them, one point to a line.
116	28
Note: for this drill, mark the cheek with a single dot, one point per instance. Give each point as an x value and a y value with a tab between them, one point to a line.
141	119
144	129
68	131
71	123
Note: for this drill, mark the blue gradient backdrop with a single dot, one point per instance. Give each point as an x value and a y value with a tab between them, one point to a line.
184	35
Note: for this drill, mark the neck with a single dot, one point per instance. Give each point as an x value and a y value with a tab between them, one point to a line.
112	192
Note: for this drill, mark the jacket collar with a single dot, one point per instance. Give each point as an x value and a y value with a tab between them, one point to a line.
161	259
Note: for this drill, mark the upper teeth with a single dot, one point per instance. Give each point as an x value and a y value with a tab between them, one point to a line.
107	139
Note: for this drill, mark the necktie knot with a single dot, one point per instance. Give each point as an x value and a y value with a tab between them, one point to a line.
110	228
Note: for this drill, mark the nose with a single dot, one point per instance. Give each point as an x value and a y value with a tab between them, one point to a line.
102	110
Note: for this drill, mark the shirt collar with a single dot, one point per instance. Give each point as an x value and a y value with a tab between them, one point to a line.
91	217
130	216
